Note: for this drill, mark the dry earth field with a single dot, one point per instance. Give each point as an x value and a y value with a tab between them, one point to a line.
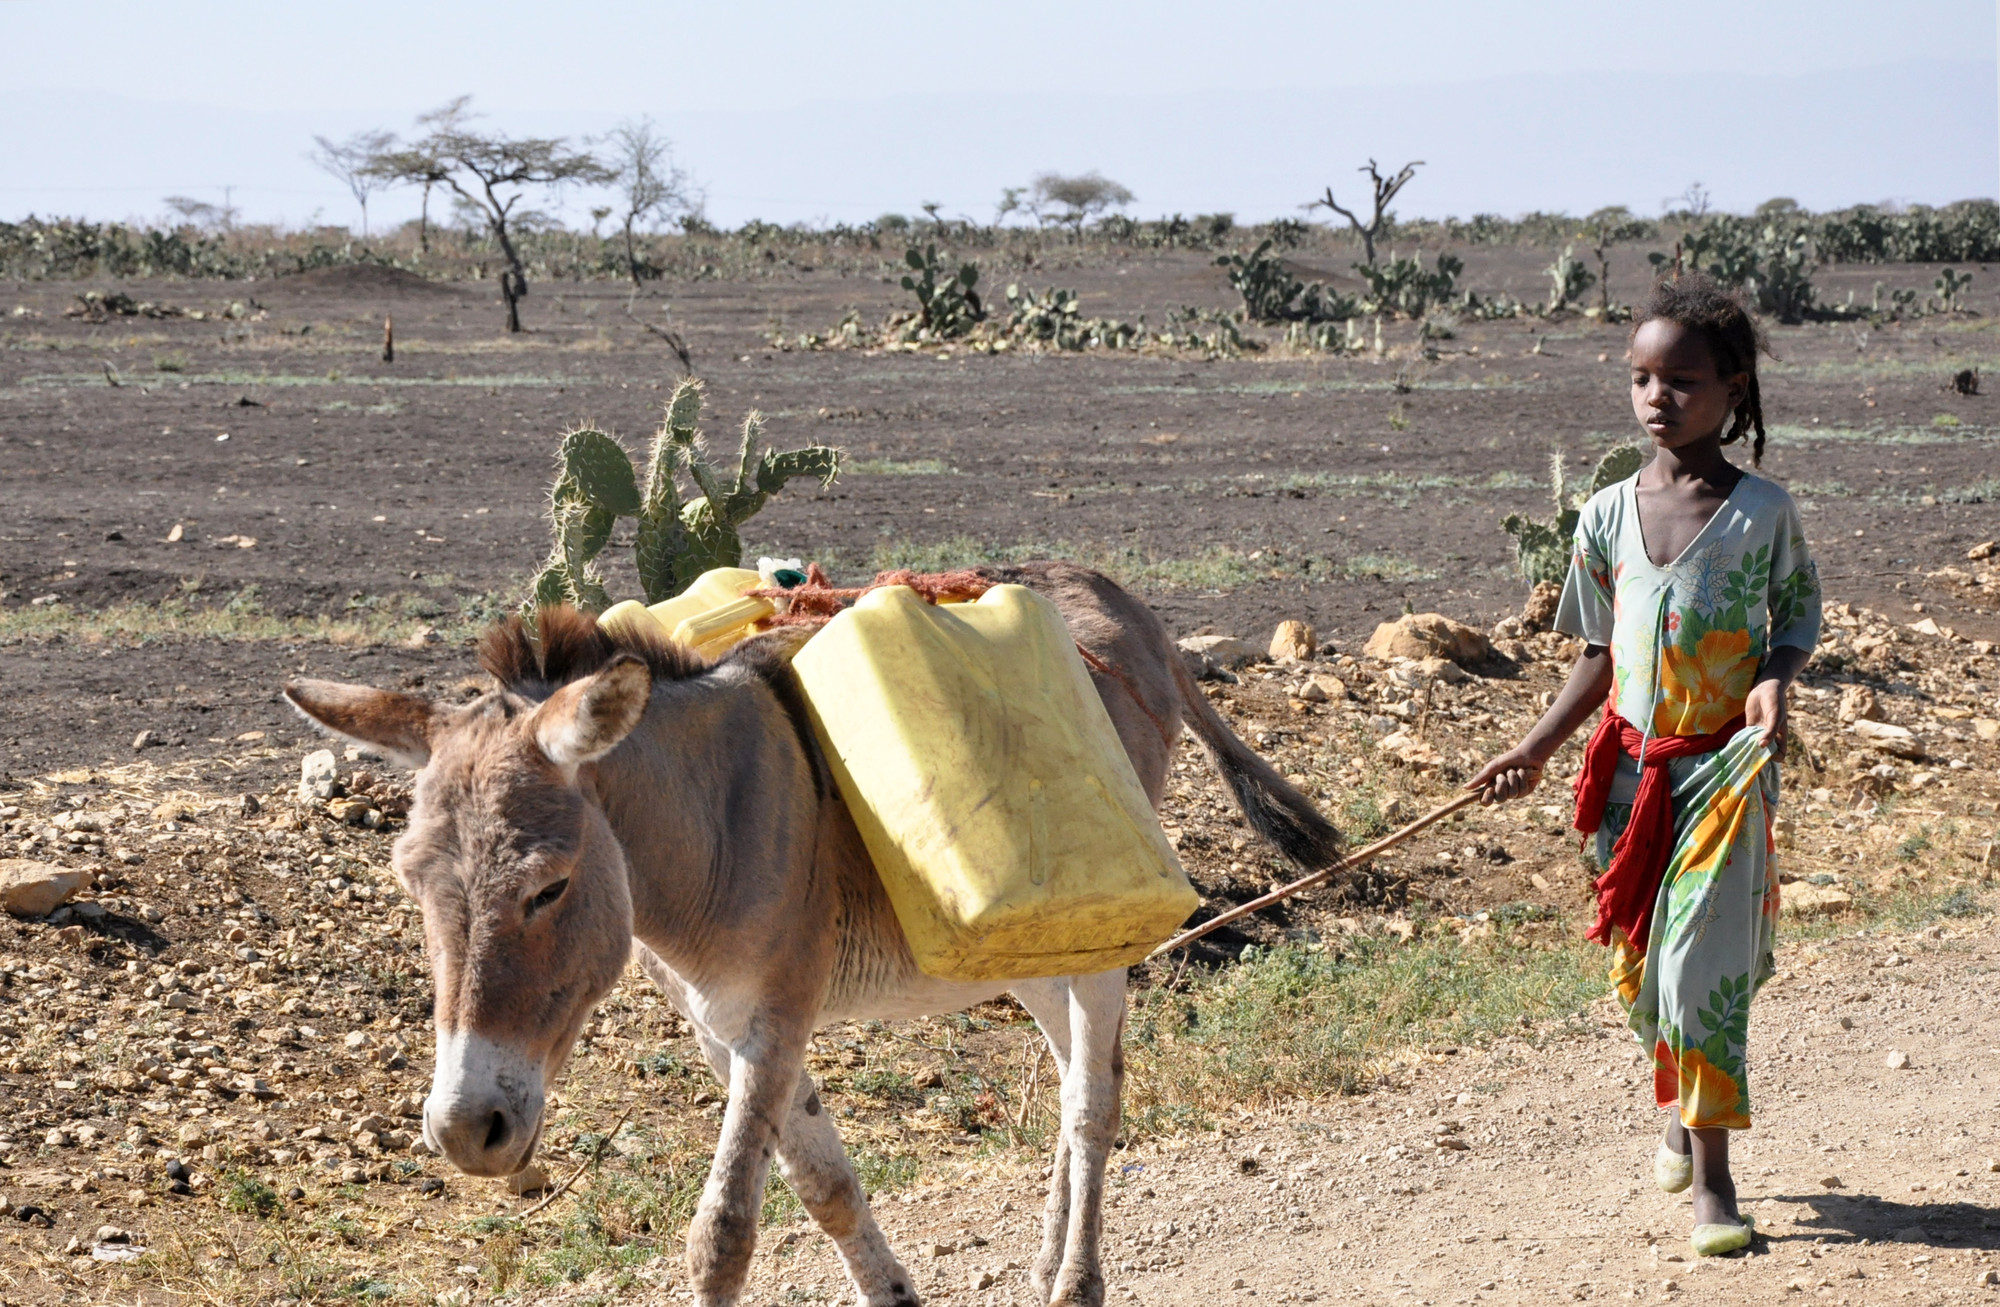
218	1052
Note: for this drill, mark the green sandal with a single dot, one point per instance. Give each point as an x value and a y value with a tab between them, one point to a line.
1672	1171
1715	1240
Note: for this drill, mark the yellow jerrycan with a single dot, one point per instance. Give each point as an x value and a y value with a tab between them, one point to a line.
989	785
709	616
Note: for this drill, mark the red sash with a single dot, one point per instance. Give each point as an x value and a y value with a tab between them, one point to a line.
1628	888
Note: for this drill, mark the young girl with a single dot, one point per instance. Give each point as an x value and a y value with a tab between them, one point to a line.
1692	591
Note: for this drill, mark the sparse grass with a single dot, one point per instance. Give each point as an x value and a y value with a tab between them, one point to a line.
1305	1021
1384	567
891	467
71	380
1215	568
374	621
247	1194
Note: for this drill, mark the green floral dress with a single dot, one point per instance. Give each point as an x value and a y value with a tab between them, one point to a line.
1687	642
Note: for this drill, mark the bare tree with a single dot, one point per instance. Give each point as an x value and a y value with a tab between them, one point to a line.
1072	201
1605	228
652	184
351	162
1385	193
490	173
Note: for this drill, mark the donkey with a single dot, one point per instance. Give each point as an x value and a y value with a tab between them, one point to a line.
618	795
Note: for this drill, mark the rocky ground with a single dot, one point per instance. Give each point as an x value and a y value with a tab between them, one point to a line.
210	1056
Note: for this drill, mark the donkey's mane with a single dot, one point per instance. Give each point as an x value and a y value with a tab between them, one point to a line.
566	645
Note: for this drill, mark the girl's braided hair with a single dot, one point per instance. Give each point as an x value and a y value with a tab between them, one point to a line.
1697	302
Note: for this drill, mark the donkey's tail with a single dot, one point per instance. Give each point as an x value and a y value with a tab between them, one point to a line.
1274	808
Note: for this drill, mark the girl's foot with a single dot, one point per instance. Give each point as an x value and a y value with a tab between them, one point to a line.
1673	1167
1719	1227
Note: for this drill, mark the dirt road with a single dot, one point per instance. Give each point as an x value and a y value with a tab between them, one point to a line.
1868	1185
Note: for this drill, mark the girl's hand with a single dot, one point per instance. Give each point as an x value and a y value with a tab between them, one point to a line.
1508	776
1766	707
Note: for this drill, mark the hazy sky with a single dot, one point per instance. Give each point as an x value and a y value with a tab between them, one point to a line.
796	111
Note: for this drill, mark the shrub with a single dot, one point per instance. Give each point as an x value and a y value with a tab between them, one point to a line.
1272	294
676	541
1543	548
1403	286
947	305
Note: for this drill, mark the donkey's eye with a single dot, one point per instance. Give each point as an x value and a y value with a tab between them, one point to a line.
548	896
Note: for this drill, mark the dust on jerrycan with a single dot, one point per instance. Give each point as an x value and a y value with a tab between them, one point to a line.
990	787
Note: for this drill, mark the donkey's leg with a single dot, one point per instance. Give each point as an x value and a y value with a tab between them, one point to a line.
723	1234
815	1164
1090	1100
812	1160
1048	1003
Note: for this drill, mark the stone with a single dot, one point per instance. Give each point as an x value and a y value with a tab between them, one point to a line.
144	740
1410	750
1221	650
1830	1182
1800	899
985	1280
1427	635
1310	691
1858	704
1897	741
1441	669
530	1180
35	889
1989	1276
1986	728
1897	1060
1912	1234
319	775
1539	613
1332	687
1294	641
1984	549
354	812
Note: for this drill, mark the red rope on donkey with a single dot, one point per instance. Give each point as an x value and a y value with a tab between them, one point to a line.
818	601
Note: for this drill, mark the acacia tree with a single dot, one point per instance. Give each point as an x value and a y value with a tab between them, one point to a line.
351	162
652	184
1072	201
1385	192
491	173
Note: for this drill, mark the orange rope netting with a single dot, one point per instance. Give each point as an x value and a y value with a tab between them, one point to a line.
819	600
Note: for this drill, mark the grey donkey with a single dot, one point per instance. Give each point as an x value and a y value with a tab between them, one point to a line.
616	796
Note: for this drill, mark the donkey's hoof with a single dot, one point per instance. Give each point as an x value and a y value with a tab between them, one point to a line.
898	1294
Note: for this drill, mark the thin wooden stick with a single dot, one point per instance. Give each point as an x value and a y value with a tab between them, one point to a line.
1361	858
596	1154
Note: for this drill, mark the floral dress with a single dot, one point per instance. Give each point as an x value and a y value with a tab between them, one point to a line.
1687	641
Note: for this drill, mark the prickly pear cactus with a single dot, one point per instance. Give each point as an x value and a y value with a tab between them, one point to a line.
1543	548
675	541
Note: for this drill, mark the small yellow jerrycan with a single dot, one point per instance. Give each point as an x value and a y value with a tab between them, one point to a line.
1000	809
709	616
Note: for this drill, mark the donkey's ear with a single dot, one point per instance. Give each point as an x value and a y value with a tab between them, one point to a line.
400	725
587	719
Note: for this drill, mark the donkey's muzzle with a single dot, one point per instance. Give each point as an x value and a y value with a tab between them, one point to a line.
484	1112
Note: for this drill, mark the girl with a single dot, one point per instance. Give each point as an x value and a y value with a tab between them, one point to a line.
1692	591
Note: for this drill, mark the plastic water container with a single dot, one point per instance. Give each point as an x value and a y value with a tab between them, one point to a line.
990	787
710	615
